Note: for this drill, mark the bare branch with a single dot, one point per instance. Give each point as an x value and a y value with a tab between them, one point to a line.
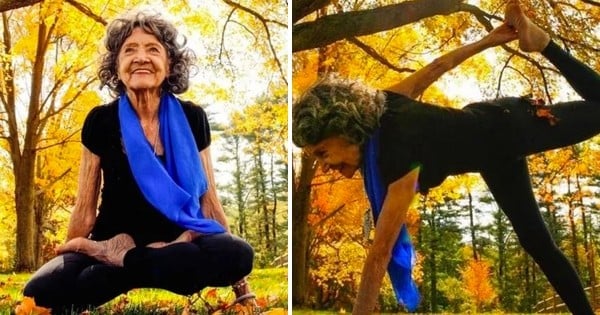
254	13
302	8
264	22
49	185
85	10
375	55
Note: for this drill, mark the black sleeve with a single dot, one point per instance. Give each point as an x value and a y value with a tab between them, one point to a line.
92	133
198	121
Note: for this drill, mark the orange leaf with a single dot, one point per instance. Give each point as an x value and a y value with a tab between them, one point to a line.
262	302
28	307
276	311
212	293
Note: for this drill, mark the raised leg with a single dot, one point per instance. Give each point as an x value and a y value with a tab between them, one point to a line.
531	37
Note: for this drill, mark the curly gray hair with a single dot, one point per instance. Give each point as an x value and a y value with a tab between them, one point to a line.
336	107
180	58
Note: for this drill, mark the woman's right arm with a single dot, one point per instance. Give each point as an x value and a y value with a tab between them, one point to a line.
83	217
400	195
416	83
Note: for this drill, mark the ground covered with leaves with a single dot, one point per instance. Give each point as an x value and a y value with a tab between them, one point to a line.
269	285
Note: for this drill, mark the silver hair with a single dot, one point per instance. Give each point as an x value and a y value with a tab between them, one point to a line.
336	107
180	57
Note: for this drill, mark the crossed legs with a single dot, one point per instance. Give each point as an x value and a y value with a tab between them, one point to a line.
74	281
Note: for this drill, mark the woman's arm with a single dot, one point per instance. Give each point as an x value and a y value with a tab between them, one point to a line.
393	214
211	206
83	217
414	85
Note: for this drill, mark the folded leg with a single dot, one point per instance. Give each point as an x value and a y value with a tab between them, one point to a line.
185	268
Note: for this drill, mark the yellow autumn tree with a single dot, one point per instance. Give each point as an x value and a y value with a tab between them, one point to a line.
47	66
49	52
339	233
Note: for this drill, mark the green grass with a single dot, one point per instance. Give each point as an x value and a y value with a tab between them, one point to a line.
316	312
269	285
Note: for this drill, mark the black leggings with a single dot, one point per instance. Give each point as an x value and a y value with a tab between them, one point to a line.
73	282
509	180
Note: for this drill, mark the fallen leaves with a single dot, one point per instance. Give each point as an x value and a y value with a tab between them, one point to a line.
28	307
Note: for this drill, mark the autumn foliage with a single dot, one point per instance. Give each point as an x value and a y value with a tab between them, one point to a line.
28	307
477	280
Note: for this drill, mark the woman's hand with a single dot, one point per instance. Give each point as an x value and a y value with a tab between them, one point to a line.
500	35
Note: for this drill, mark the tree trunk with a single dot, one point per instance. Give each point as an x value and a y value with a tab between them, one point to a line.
301	192
25	249
572	225
589	250
24	165
239	189
274	207
472	227
331	28
432	261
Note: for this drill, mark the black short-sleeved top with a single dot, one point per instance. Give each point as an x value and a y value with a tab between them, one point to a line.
443	141
123	208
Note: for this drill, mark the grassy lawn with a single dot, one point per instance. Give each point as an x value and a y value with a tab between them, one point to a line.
269	285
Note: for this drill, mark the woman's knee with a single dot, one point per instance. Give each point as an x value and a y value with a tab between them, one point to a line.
52	284
44	290
538	243
243	254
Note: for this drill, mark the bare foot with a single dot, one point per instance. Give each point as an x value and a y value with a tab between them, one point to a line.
111	251
185	237
531	36
157	244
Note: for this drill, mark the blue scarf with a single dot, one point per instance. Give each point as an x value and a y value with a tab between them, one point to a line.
173	188
403	254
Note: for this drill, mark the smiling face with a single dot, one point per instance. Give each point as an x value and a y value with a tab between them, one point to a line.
336	153
142	62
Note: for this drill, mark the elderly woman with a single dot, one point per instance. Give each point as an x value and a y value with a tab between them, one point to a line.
403	146
159	223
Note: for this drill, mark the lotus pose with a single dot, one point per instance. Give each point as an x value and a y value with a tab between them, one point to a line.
402	146
159	223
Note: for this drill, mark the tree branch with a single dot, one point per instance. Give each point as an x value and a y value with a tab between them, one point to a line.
595	3
85	10
302	8
7	5
375	55
331	28
264	22
254	13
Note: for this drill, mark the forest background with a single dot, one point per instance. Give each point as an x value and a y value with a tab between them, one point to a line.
49	54
468	258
